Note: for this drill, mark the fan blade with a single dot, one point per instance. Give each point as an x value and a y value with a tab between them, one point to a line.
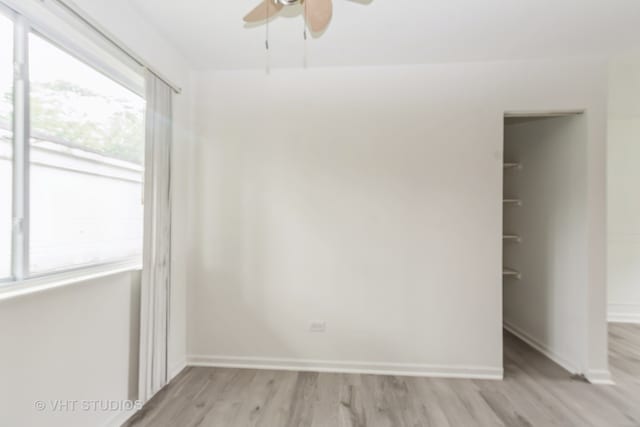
319	14
264	10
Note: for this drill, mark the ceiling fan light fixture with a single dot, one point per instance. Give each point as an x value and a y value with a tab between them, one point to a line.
287	2
317	13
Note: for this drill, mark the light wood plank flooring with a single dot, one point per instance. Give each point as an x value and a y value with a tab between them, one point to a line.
535	392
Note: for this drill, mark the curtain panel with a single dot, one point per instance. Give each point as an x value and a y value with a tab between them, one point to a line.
156	274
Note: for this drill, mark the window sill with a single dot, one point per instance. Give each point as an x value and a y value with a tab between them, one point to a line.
41	284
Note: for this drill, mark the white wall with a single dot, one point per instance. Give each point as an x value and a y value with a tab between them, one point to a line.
546	307
79	342
370	198
624	190
94	310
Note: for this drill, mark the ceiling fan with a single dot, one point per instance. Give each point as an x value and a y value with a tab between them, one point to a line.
317	12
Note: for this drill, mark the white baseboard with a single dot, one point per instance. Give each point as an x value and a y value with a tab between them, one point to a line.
594	376
399	369
120	418
599	377
624	313
323	366
176	369
541	347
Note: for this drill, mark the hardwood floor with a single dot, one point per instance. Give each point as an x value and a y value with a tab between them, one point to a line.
535	392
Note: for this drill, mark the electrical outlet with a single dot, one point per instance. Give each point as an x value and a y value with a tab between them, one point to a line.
317	326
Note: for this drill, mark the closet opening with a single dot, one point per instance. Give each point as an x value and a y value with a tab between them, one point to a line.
545	238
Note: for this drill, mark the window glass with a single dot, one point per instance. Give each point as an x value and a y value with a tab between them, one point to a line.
6	147
87	149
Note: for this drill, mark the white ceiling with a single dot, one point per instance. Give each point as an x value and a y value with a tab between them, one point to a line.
211	34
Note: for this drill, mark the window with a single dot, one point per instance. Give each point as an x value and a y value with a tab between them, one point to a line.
87	148
81	182
6	138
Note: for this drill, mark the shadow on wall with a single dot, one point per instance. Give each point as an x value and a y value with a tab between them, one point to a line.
134	335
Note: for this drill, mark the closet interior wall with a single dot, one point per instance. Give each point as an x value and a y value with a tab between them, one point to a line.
545	234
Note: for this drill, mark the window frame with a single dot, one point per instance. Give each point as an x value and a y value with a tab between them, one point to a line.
23	26
12	16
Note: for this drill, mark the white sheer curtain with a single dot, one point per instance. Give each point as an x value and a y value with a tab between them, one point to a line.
156	274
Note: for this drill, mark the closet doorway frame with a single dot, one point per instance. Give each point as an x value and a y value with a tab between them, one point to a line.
594	340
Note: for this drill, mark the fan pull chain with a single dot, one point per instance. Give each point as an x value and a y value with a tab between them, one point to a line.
304	33
304	29
266	40
266	43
